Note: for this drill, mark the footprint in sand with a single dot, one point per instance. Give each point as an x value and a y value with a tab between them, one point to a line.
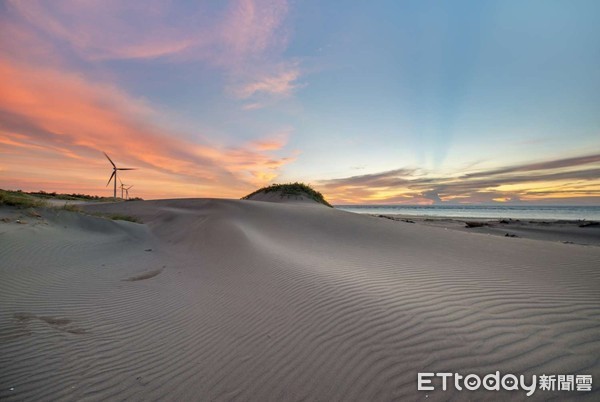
144	275
60	324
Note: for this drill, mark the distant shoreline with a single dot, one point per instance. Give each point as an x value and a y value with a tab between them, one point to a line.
521	212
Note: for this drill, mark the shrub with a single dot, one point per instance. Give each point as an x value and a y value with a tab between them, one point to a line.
292	189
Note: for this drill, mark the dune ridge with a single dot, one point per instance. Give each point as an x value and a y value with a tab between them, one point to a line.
246	300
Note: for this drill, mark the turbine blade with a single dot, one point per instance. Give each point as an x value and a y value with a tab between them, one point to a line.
110	160
126	168
128	188
111	177
120	181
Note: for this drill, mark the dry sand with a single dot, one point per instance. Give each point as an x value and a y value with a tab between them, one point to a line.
246	300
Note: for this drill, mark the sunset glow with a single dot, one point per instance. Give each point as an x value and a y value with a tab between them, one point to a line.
385	102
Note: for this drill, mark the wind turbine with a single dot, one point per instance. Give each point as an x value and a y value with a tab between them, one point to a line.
114	175
124	188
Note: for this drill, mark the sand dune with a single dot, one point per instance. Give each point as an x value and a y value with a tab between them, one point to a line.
246	300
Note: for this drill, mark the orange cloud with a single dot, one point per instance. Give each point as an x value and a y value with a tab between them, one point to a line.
59	118
54	120
273	143
574	178
244	38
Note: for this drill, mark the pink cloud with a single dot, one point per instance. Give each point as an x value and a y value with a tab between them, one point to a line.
107	29
272	143
56	119
111	29
280	84
252	27
244	38
253	106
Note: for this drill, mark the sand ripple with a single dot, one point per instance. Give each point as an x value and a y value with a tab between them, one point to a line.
241	300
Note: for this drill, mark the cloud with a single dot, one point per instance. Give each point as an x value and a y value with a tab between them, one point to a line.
231	34
432	195
281	84
58	108
546	165
266	85
100	30
243	38
273	142
253	27
552	179
253	106
382	179
113	29
58	116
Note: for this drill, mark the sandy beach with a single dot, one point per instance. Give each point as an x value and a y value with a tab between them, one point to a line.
299	201
214	299
581	232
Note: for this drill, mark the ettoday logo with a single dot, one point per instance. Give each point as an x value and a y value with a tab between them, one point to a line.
473	382
508	382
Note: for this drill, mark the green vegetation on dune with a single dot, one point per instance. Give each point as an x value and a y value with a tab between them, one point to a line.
105	215
70	197
20	199
292	189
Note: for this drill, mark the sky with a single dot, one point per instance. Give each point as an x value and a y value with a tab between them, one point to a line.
380	102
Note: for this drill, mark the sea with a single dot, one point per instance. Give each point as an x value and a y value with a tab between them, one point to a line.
544	212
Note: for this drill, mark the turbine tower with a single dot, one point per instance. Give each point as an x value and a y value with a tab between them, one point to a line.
122	187
126	189
114	175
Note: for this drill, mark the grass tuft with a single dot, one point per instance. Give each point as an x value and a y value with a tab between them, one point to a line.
115	217
120	217
71	207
